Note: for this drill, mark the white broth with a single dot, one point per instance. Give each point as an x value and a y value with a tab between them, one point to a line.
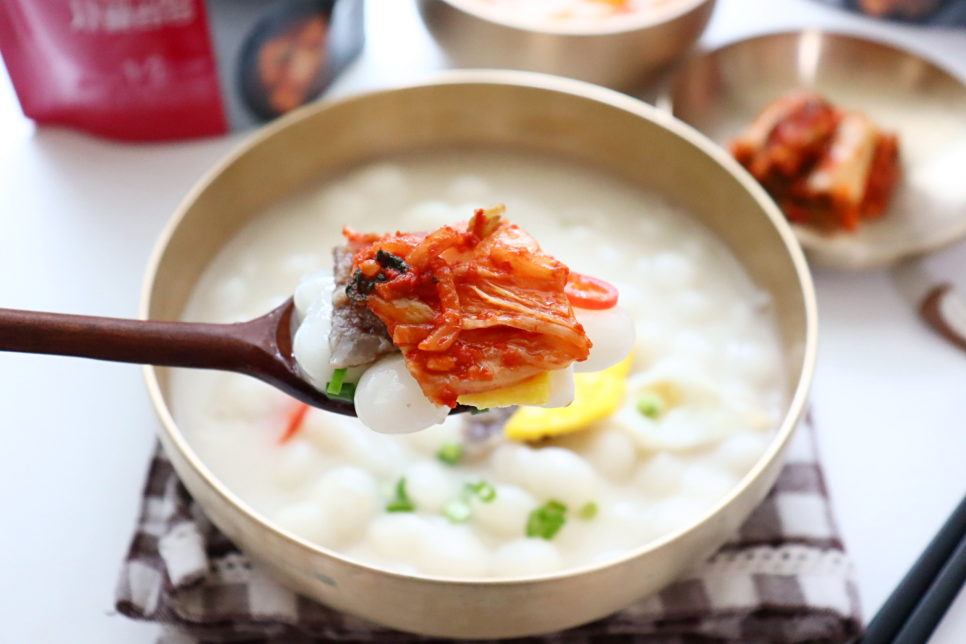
700	405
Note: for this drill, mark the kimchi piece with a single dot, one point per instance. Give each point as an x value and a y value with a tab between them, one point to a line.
474	308
825	166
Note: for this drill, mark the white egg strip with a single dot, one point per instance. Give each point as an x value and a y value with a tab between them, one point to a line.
562	388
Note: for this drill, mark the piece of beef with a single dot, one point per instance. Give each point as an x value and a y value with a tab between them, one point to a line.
358	337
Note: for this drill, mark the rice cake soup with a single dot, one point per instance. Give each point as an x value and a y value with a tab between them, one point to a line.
662	437
568	13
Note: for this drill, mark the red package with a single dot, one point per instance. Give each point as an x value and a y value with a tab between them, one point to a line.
171	69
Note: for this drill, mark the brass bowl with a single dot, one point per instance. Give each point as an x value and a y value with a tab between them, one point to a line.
621	56
720	92
520	111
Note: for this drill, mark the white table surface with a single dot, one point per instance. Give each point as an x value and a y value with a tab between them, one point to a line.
79	215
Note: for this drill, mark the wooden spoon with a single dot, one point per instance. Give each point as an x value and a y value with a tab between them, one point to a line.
261	347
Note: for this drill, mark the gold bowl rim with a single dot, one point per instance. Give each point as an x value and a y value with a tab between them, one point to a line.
532	80
627	24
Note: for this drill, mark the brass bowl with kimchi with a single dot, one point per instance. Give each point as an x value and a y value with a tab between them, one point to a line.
720	92
516	113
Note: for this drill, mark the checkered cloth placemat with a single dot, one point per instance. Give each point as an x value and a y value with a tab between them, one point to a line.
783	579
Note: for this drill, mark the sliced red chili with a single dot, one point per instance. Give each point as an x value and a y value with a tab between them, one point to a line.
294	422
586	292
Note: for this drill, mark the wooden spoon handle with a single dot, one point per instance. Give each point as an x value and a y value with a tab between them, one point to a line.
945	311
938	302
171	344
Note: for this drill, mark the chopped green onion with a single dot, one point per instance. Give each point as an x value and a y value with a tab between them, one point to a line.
334	388
650	404
401	503
450	453
482	490
457	511
485	491
588	512
474	412
389	260
339	389
348	393
545	522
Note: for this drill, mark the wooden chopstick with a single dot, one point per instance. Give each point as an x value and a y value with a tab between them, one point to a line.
920	600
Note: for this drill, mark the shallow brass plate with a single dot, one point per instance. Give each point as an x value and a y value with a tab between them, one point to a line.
721	91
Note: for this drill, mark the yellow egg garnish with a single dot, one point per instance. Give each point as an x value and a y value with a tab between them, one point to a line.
532	391
598	396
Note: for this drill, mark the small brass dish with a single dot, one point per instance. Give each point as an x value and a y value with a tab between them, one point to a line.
721	91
